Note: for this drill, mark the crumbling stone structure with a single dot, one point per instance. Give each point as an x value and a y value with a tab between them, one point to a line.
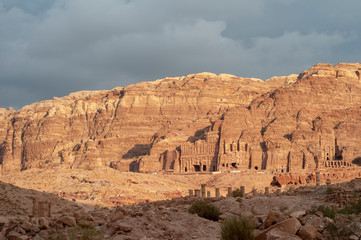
41	208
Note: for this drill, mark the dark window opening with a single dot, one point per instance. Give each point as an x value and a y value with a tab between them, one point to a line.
223	165
197	168
226	164
256	167
328	158
282	170
204	167
234	165
185	169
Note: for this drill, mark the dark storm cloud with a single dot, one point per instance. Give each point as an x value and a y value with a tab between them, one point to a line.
52	48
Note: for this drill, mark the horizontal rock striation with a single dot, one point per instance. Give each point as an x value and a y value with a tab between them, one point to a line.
200	122
92	129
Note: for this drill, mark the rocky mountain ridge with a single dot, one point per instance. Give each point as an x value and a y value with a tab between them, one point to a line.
284	121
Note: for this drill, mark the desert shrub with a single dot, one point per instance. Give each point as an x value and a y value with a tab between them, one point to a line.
237	228
83	233
205	210
237	193
354	207
326	211
330	190
343	230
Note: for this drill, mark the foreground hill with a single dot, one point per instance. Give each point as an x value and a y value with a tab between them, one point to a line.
201	122
326	212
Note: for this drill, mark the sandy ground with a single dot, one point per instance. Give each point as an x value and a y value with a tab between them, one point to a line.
108	187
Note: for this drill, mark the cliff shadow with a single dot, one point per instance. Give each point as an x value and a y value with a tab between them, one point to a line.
199	134
134	166
137	150
357	161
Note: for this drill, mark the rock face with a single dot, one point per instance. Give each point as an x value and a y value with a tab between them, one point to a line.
201	122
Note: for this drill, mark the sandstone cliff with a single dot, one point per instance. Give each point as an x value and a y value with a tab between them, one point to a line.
283	123
91	129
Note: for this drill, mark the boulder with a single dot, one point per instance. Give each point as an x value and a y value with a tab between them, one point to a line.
277	234
290	226
316	221
298	214
43	223
68	221
274	217
307	232
13	235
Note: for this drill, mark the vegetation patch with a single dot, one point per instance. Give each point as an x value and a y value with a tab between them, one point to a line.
205	210
237	193
234	228
326	211
330	190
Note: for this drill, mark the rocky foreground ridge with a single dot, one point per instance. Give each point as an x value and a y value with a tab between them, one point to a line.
201	122
309	213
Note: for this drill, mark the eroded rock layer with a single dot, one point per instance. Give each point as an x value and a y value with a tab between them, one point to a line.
201	122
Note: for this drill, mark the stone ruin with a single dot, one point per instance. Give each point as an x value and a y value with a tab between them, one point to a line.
41	208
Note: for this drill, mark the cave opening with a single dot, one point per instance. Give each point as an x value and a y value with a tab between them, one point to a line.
197	168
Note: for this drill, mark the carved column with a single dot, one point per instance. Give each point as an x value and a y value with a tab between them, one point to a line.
242	190
203	189
190	192
229	193
217	192
318	179
35	207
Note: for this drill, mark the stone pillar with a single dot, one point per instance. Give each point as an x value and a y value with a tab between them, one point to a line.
41	211
229	193
217	193
35	207
243	190
254	192
190	192
198	192
318	179
278	191
203	189
266	191
208	194
328	181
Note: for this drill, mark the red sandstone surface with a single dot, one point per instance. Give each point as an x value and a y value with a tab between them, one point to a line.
201	122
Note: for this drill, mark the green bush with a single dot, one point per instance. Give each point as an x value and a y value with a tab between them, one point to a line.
205	210
237	193
326	211
354	207
237	228
330	190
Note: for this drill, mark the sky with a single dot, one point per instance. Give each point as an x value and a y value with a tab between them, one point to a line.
50	48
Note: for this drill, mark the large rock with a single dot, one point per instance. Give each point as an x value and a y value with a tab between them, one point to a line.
289	226
307	232
277	234
68	221
274	217
16	236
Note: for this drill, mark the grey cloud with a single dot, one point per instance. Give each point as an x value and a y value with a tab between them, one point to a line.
53	49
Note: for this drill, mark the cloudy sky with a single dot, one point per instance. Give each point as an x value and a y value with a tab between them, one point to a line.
55	47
